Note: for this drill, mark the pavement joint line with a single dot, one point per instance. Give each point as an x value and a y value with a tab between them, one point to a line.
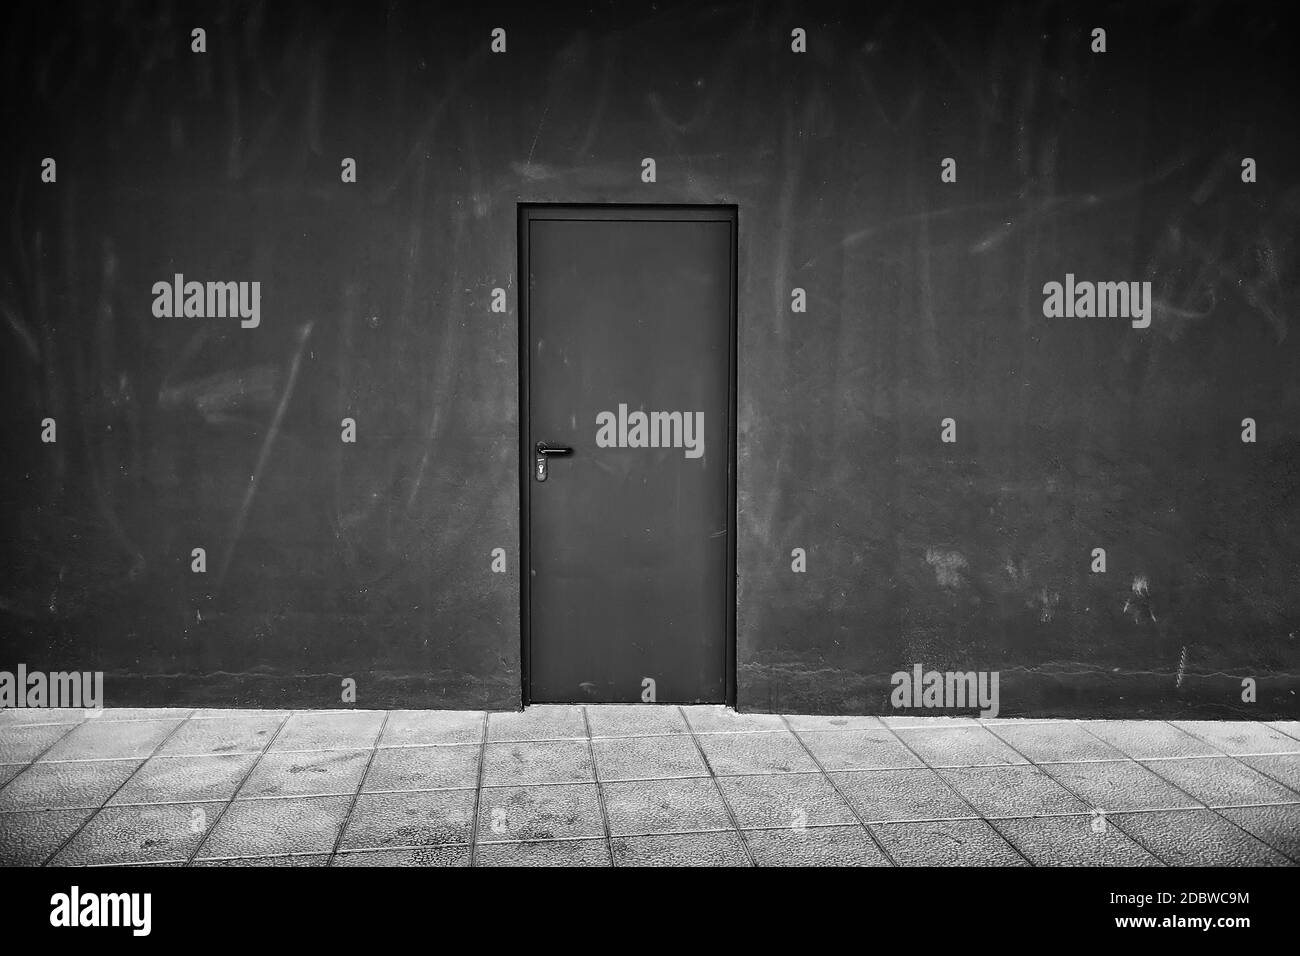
446	844
1286	733
284	721
258	856
167	862
356	794
118	789
874	820
433	744
1267	776
1015	849
478	789
933	819
1200	808
1221	756
600	792
88	720
731	815
537	839
889	857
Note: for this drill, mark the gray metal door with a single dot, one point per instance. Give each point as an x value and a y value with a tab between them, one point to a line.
627	434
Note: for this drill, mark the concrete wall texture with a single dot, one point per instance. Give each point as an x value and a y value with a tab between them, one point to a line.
925	301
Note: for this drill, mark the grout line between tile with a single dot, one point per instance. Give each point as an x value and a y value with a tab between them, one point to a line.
600	791
239	786
1285	733
1015	849
731	815
847	802
118	789
478	793
356	794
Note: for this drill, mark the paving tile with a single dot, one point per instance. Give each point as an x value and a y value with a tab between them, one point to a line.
815	846
639	758
391	820
945	843
683	849
634	720
526	762
539	813
101	740
664	806
176	779
748	753
27	716
897	795
1279	827
277	827
303	774
1222	782
1119	786
118	835
423	768
545	853
300	859
712	719
1143	739
411	856
1019	791
222	735
875	749
1056	742
1240	736
539	722
1196	838
56	786
1284	768
206	713
817	722
329	731
958	746
23	744
28	838
422	728
785	800
1071	841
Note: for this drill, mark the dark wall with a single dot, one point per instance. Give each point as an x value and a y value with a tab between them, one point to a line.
373	561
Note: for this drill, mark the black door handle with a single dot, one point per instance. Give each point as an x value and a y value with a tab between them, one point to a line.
545	449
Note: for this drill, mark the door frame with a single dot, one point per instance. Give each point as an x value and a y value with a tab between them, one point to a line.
529	212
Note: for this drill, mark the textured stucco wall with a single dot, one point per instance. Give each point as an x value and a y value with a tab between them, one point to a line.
372	561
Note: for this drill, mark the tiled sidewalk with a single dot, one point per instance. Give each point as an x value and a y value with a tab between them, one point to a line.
639	785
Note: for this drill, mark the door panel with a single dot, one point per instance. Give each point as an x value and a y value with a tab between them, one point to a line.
630	341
